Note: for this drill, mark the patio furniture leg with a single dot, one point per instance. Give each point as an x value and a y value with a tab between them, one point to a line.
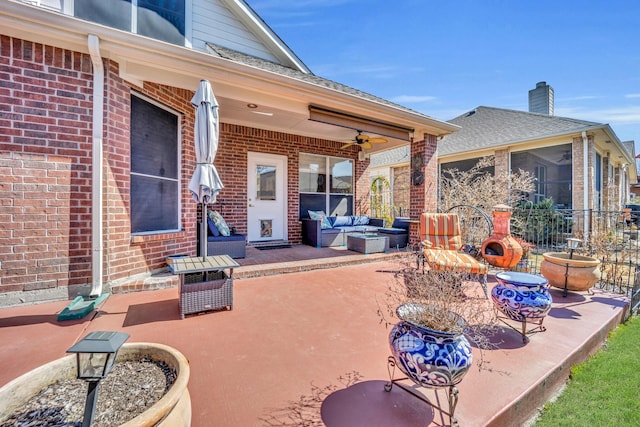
452	396
453	402
482	279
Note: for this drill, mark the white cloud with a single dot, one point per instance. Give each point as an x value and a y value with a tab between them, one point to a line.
612	115
632	95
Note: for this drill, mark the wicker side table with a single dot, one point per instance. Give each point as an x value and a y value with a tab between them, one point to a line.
204	283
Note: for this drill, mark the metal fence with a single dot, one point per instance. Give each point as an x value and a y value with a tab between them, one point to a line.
609	236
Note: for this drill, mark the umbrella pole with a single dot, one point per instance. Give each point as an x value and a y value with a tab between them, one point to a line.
203	231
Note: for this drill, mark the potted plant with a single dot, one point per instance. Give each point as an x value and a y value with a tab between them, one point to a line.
435	316
172	409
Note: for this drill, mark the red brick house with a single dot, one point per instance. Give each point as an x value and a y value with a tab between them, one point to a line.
96	138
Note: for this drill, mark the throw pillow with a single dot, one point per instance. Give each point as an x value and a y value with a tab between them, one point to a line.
342	220
360	220
213	230
220	223
322	217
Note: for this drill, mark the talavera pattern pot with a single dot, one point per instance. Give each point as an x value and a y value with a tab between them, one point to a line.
428	357
521	296
581	272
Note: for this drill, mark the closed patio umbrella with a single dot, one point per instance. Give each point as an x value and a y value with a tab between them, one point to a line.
205	182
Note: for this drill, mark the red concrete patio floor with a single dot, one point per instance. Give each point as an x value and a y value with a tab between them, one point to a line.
308	348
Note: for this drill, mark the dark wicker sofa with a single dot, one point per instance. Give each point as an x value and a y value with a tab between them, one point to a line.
234	245
314	235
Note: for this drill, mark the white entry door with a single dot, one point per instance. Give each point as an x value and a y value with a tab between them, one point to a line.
267	197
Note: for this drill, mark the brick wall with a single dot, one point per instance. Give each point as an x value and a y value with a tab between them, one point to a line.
45	166
501	166
424	197
45	163
579	201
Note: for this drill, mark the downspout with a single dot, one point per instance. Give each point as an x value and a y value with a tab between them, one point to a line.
585	185
97	158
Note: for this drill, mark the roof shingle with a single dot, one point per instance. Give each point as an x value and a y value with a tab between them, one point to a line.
485	127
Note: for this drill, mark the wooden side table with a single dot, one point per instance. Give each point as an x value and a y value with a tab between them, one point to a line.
204	283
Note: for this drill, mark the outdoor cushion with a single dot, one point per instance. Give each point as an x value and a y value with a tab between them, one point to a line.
220	223
360	219
229	238
342	220
392	230
322	217
450	260
358	229
441	231
213	230
400	222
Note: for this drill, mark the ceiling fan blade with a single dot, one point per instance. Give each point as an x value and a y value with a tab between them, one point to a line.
366	145
347	145
378	140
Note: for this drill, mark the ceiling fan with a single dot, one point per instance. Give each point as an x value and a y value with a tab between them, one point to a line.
364	141
566	156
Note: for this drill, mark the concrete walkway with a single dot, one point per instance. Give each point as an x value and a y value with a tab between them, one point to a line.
308	348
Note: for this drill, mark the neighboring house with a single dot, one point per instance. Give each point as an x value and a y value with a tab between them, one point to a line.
96	138
578	164
393	167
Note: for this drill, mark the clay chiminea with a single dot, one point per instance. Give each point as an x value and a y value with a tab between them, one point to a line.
501	249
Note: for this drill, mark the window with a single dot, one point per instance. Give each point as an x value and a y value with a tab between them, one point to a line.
541	183
155	186
551	166
160	19
326	184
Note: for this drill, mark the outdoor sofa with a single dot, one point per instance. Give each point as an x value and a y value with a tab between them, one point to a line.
398	233
333	230
234	245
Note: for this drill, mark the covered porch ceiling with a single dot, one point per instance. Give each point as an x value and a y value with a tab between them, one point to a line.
248	95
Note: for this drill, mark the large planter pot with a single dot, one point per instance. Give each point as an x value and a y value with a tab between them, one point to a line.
521	296
173	409
430	358
580	272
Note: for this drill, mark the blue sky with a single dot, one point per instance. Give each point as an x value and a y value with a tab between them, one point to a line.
445	57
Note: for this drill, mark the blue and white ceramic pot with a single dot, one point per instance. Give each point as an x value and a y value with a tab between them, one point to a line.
429	357
521	296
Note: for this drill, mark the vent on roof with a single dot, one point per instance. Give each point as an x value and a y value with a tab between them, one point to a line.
471	113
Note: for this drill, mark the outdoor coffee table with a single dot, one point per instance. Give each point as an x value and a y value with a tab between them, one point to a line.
367	243
204	283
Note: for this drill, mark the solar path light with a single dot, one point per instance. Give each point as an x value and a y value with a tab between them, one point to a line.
95	355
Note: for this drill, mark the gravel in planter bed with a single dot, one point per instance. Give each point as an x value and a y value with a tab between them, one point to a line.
129	389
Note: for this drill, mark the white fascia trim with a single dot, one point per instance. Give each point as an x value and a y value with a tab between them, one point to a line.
619	145
188	66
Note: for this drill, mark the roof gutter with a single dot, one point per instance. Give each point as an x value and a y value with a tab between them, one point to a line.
585	184
165	63
97	251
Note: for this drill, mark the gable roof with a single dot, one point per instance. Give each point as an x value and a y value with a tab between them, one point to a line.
260	29
254	61
488	127
284	91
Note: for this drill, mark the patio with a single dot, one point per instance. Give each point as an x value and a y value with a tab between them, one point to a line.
308	348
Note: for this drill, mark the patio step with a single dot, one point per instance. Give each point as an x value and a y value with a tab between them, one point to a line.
273	268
